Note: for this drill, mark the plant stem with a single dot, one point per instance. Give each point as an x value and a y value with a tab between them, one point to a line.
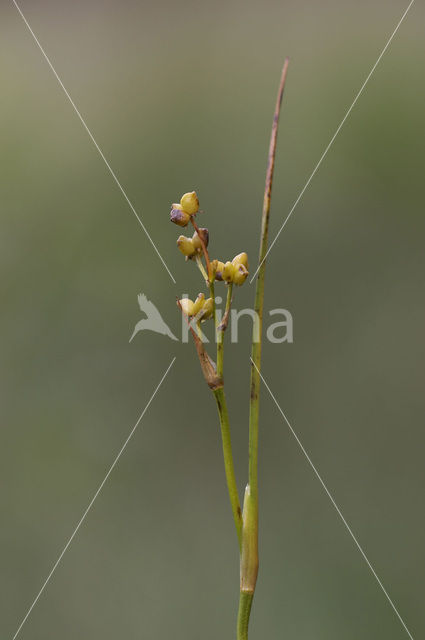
250	541
228	461
221	329
245	604
201	268
209	280
204	248
219	394
259	300
224	423
212	295
199	330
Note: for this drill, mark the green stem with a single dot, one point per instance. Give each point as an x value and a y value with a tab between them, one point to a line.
201	267
220	331
259	301
228	461
221	400
251	548
245	604
212	294
210	285
248	562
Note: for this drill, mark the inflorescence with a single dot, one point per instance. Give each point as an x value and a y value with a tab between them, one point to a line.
195	248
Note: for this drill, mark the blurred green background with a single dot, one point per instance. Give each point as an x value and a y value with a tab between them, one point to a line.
179	95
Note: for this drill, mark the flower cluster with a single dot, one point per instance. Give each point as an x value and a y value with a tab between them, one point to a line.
191	246
195	248
235	271
202	308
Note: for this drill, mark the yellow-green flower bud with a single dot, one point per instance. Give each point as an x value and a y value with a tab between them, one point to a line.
186	246
190	203
207	309
241	258
240	274
228	272
197	240
213	269
198	304
217	267
178	216
187	306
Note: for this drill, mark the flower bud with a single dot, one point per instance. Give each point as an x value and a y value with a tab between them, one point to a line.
228	272
218	267
197	240
198	304
207	309
178	216
186	246
213	269
241	258
190	203
187	306
240	274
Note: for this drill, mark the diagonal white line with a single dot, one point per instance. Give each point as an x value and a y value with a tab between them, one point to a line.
334	503
333	138
94	142
92	501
